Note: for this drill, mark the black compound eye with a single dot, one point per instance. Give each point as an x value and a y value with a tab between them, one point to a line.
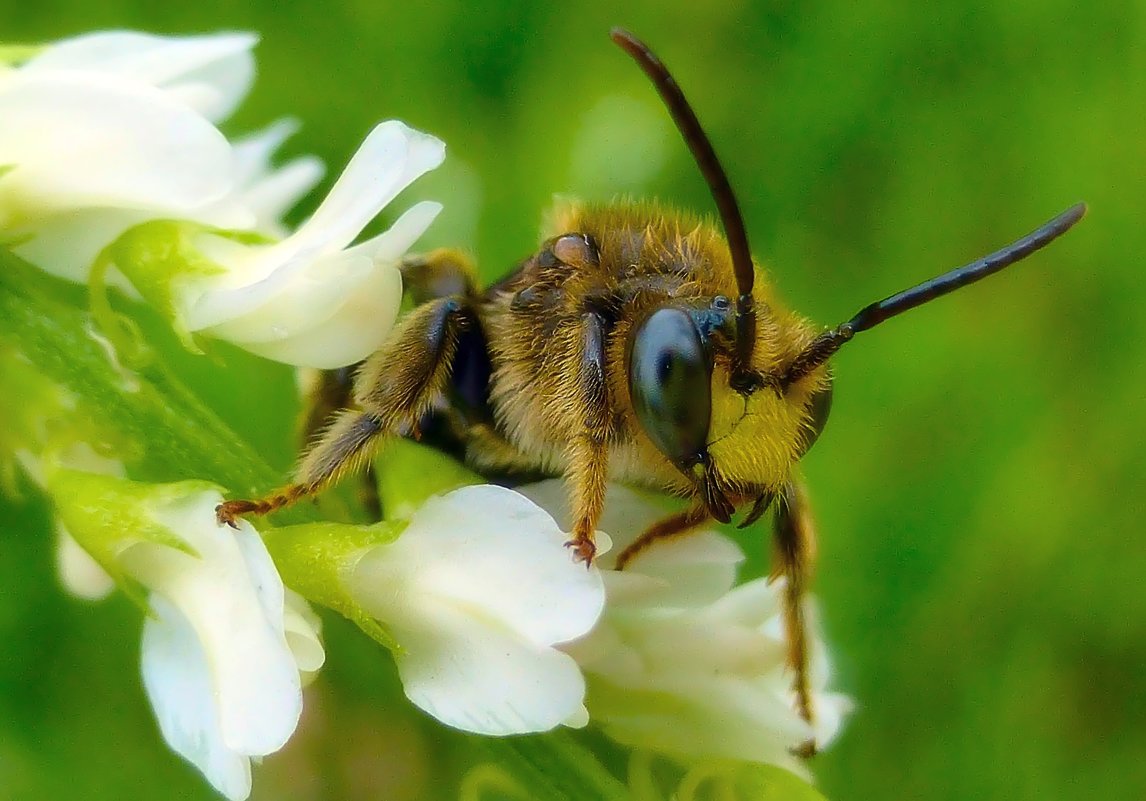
670	383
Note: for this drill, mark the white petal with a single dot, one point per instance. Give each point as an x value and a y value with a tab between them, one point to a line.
271	192
831	708
500	556
291	299
723	718
475	676
754	603
67	244
303	629
277	192
179	684
578	720
80	574
213	73
81	140
475	590
350	334
324	313
232	598
696	569
393	243
253	152
390	159
278	291
701	646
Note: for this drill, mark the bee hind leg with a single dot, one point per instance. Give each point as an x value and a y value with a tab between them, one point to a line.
425	278
793	558
394	389
327	393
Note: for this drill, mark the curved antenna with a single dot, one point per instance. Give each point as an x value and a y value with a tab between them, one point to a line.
709	164
827	343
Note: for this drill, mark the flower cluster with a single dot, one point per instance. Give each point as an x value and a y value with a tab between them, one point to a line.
111	160
113	170
685	662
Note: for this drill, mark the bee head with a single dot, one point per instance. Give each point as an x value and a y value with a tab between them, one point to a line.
673	365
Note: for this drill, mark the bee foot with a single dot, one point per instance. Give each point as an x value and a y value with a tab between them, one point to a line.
583	550
805	750
228	512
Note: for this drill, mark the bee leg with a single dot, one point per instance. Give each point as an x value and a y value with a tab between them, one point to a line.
793	557
394	389
587	453
675	526
330	392
441	273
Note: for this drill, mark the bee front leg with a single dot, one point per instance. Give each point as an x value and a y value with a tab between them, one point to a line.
394	389
794	554
588	450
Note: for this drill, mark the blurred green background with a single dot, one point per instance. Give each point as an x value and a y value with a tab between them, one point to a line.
980	487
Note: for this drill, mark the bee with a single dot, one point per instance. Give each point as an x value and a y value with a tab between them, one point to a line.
638	344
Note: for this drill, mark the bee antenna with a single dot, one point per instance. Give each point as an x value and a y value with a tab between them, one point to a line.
827	343
730	217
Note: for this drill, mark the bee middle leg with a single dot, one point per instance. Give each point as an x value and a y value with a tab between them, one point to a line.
394	389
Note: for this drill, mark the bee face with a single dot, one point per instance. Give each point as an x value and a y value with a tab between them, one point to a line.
724	441
755	439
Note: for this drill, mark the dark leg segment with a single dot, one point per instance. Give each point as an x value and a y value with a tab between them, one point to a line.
793	558
679	524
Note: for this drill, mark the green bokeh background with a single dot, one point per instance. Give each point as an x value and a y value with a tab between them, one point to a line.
980	487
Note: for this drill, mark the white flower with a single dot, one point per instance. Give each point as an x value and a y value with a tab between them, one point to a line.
80	574
106	132
313	300
682	661
109	130
270	192
224	645
209	74
477	591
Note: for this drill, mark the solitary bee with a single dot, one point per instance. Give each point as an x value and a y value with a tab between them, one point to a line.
639	344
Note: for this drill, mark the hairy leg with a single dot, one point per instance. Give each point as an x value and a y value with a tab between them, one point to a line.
587	453
393	390
794	554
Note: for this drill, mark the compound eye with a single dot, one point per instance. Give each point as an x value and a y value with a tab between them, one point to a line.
670	384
